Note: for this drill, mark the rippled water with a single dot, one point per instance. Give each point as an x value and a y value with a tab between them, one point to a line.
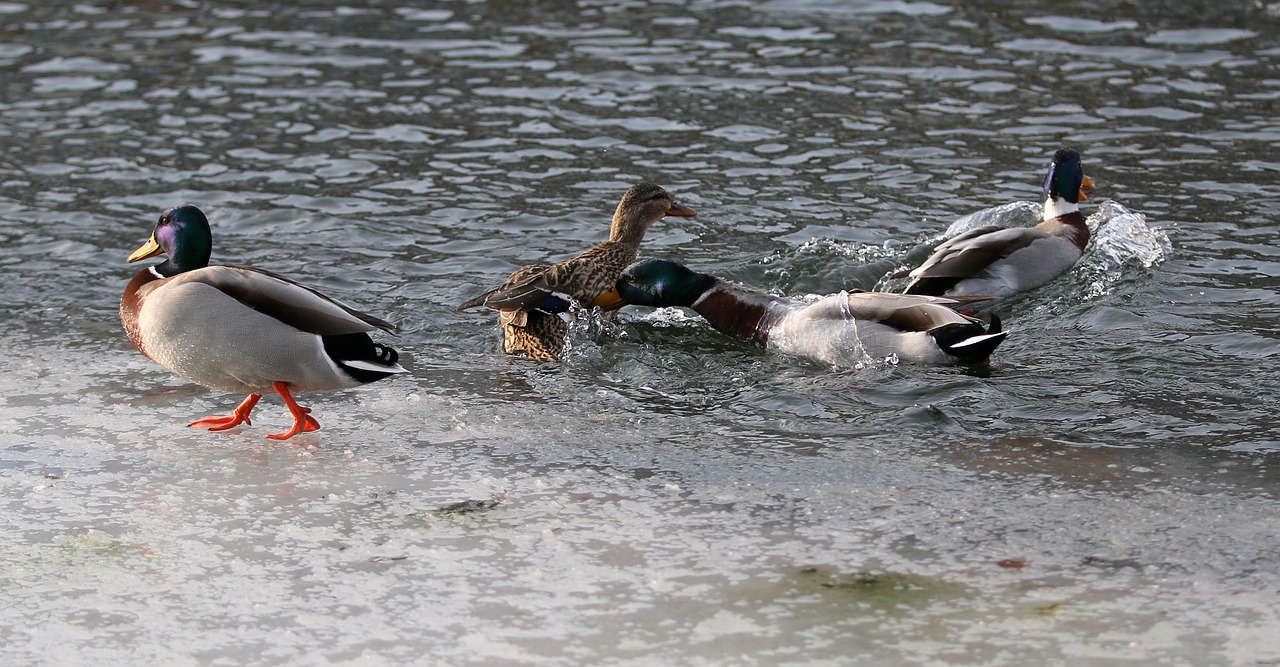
1104	493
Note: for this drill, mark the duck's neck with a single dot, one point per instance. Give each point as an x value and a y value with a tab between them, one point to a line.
1062	218
627	232
167	269
744	314
1056	206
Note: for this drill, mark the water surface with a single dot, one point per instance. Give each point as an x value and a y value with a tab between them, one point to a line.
1104	493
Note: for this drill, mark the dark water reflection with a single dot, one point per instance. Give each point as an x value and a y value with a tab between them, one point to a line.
665	493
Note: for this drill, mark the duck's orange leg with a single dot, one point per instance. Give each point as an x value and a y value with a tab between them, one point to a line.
302	421
241	414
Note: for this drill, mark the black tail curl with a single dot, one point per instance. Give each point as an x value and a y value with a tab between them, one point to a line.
385	354
345	348
995	324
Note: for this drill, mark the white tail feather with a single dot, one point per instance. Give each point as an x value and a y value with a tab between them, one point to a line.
374	367
978	339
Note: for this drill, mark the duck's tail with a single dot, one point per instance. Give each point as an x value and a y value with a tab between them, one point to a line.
361	358
478	301
969	343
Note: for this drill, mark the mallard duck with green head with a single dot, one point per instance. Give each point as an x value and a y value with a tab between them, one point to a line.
1003	261
841	329
534	303
245	330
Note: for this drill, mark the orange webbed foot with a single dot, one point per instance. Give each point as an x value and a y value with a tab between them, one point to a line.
222	423
302	420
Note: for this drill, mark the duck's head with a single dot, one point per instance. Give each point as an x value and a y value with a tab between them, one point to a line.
661	282
642	205
1066	180
183	234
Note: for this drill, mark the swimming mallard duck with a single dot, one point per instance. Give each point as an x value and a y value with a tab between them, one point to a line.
533	304
841	329
244	330
997	261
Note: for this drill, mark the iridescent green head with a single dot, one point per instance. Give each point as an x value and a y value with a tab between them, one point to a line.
1065	176
661	282
183	234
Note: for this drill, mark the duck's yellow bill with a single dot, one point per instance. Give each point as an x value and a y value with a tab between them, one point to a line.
148	249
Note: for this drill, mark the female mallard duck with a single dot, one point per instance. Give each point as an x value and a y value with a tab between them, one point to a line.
244	330
841	329
533	304
998	262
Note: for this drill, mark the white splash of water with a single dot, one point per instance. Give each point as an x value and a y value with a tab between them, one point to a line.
861	252
1014	214
669	316
1121	236
1122	240
587	330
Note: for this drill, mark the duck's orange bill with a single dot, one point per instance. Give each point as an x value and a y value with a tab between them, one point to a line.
610	300
1086	188
680	211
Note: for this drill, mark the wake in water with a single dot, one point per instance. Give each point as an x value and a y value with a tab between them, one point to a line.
1122	246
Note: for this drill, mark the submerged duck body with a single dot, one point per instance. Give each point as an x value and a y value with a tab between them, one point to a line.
534	303
842	329
1000	262
244	330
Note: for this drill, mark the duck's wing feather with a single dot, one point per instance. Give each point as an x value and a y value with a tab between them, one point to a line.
292	303
526	289
973	251
908	312
548	287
